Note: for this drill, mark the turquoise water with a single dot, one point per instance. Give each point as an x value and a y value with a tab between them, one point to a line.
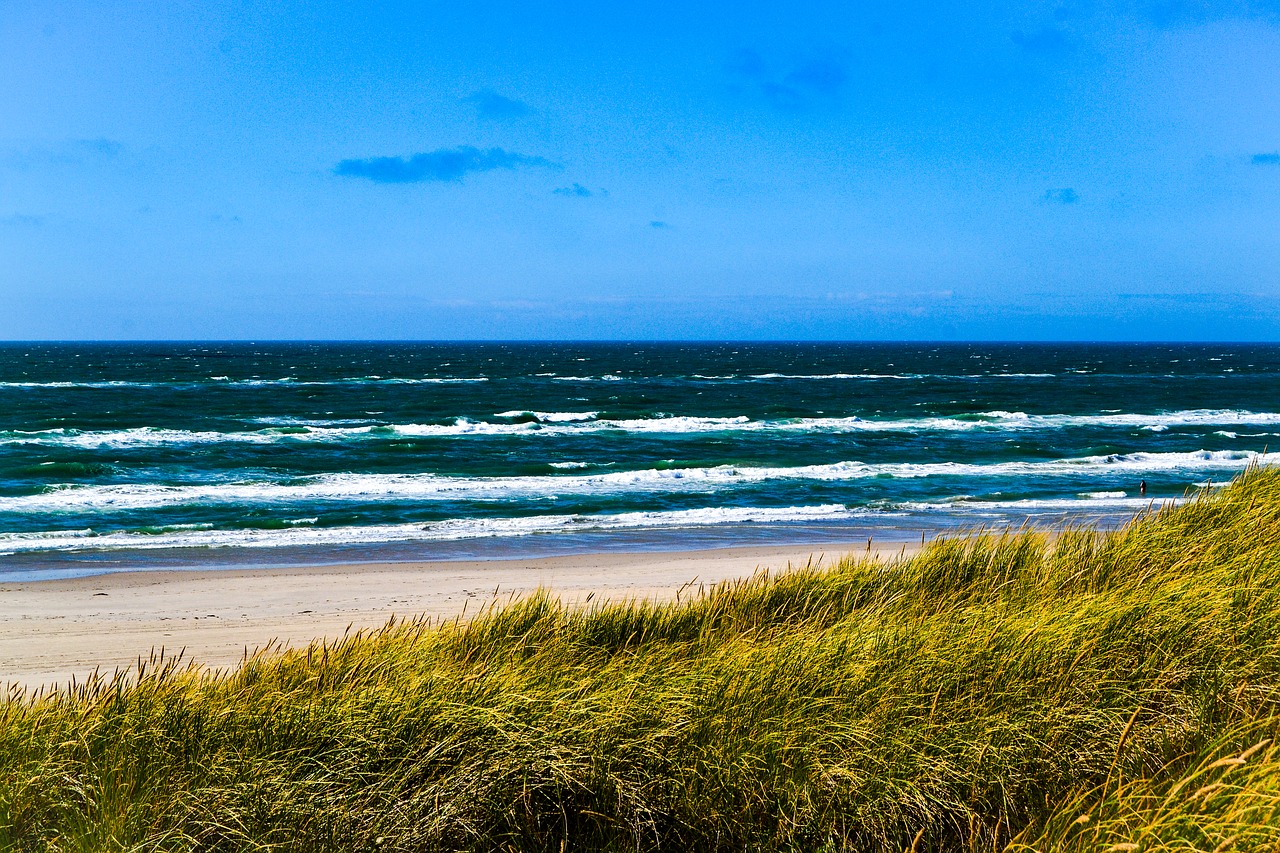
143	455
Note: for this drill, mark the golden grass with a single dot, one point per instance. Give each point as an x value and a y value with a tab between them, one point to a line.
1021	691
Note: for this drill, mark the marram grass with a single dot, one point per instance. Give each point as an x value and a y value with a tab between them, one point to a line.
1023	691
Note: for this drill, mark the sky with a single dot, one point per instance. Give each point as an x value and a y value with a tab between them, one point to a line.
1072	170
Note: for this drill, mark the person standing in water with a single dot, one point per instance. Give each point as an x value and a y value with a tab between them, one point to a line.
1142	488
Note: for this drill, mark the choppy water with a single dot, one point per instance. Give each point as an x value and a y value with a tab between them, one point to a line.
143	455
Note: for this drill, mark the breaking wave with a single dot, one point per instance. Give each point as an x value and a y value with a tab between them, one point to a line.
373	488
553	424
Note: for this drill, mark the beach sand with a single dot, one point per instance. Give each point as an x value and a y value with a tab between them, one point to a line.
53	630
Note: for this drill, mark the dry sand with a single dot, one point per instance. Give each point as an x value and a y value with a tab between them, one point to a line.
53	630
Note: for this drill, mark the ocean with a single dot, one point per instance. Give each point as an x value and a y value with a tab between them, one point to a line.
131	456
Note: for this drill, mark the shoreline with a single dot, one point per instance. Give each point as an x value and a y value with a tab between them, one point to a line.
56	629
52	566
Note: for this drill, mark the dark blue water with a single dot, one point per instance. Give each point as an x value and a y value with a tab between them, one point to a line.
140	455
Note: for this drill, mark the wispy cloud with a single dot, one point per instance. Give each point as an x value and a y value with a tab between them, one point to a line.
1065	195
443	164
71	152
101	147
782	96
790	87
746	63
822	76
489	104
1189	13
21	220
1049	41
578	191
1272	159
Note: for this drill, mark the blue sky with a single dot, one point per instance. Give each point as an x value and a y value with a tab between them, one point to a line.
1058	170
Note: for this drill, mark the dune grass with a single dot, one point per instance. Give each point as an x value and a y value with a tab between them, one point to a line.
1020	691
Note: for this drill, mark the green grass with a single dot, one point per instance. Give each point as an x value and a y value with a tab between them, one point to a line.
1079	691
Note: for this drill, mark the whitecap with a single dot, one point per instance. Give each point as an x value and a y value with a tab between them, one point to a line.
838	376
103	384
449	530
373	488
550	417
990	421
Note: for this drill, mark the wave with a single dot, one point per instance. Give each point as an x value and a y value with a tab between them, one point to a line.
227	382
301	533
838	376
897	376
376	488
440	531
312	422
549	417
85	384
254	382
1100	501
577	423
360	380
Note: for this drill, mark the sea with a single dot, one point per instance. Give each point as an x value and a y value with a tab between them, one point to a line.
205	455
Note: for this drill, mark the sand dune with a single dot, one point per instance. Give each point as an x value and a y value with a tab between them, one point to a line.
53	630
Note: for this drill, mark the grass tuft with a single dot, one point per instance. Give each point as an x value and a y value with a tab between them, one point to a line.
1021	691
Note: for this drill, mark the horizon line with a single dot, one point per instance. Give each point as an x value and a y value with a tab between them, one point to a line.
645	341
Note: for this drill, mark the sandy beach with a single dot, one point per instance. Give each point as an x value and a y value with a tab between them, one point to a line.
51	631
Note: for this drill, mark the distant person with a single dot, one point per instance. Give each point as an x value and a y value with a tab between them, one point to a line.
1142	488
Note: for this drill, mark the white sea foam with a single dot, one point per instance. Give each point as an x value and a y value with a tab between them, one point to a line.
301	533
361	380
226	382
550	417
990	421
453	529
436	380
837	376
899	376
311	422
374	488
103	384
1036	506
